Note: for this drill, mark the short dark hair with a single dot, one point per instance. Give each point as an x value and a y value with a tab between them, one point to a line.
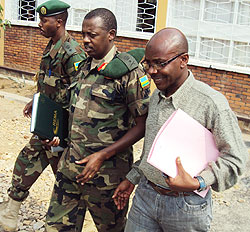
63	16
108	18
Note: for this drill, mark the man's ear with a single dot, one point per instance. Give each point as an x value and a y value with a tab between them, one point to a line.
112	34
59	22
184	60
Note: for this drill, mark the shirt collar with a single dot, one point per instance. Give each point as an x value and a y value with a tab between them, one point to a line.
52	52
106	59
181	93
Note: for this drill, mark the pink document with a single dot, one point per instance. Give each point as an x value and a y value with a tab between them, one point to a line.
183	136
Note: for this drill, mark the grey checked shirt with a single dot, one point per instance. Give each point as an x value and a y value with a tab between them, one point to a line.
211	109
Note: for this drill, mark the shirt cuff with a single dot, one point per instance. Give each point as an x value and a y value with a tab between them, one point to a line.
208	177
133	176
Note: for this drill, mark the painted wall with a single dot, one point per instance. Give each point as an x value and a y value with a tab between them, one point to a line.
24	46
2	2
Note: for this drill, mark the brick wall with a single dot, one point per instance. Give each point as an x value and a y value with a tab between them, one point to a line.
235	86
24	45
23	48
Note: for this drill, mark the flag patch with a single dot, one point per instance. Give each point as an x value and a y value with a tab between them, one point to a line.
76	64
144	81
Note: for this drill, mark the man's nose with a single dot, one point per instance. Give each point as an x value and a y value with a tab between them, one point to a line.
86	39
151	70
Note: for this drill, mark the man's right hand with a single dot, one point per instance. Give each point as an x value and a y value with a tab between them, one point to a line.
122	193
28	109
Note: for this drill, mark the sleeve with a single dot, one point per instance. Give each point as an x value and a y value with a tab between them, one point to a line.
73	63
225	172
134	174
137	96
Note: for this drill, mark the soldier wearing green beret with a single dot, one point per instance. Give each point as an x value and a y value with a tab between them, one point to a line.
107	116
58	66
52	8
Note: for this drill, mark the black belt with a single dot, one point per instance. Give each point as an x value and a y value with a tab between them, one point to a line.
167	192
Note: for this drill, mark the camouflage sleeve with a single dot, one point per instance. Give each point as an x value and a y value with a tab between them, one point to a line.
137	93
73	63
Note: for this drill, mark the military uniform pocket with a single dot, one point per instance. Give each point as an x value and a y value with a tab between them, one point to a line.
101	105
51	81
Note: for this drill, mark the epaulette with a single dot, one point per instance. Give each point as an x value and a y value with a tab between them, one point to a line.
123	63
69	48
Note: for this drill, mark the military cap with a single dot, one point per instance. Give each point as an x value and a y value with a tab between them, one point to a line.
52	7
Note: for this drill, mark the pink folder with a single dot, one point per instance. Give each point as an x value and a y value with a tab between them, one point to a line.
183	136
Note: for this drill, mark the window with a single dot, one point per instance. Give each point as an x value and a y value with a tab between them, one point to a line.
217	31
134	18
27	10
146	15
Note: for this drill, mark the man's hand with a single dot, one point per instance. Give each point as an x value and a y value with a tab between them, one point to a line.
53	143
93	163
122	193
28	109
183	182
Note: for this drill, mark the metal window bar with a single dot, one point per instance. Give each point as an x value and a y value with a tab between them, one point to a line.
146	15
27	10
217	31
132	16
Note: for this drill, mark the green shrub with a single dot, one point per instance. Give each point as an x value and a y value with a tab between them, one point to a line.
3	22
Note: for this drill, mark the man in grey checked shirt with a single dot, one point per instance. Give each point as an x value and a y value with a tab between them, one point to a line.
165	203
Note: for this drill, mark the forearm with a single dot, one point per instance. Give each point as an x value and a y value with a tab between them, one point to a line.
132	136
225	172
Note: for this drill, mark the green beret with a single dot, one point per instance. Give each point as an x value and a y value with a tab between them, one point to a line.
123	63
52	7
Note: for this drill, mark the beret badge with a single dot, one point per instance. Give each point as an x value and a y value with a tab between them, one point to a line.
43	10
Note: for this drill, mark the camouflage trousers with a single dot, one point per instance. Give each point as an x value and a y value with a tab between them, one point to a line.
29	165
70	201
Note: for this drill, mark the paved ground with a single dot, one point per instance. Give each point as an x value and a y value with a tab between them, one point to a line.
231	208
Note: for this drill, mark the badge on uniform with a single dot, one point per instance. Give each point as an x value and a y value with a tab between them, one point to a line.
102	66
76	64
144	81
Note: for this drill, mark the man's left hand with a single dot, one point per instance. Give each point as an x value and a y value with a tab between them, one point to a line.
183	182
93	163
51	143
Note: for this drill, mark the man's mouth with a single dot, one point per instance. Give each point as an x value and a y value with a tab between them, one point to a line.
87	48
157	80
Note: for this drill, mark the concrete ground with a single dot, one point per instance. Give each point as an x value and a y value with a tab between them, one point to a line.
230	208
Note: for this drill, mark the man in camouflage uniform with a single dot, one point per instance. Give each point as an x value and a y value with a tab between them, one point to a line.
107	116
58	65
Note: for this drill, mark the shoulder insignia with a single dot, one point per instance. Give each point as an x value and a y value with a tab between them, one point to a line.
69	48
123	63
128	60
76	64
102	66
144	81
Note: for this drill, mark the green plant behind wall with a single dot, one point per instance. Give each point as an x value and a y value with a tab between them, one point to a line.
3	22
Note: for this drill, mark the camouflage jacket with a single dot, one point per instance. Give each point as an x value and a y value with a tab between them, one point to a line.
102	110
58	67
